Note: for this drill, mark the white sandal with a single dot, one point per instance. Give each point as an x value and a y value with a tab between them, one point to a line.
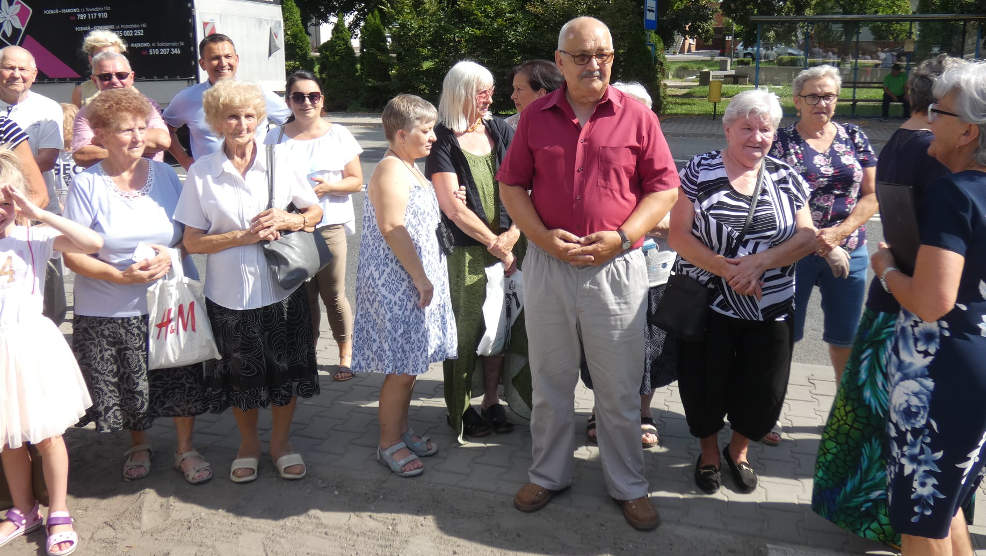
287	460
60	518
244	463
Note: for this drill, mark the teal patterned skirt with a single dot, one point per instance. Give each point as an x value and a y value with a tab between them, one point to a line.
850	483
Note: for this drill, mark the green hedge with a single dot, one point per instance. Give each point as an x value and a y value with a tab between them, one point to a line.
790	61
742	61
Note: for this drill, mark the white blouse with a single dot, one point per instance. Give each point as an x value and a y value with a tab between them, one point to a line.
323	157
218	199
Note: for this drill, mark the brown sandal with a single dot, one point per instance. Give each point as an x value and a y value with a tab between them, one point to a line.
342	374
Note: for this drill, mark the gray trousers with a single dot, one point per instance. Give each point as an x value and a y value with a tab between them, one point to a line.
603	310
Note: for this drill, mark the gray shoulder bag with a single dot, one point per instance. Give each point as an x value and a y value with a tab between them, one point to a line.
296	256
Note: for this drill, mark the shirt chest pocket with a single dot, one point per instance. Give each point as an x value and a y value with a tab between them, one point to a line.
616	167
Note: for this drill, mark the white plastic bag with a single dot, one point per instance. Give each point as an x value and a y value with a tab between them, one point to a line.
178	331
504	301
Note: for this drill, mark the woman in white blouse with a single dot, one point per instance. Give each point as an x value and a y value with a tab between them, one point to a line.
330	155
263	332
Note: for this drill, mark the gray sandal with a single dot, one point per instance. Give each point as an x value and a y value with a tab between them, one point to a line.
420	448
130	465
191	475
386	457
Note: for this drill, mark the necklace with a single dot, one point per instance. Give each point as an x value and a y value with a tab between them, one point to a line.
128	194
410	167
475	126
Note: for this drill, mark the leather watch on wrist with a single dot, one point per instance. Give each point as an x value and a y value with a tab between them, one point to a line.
625	242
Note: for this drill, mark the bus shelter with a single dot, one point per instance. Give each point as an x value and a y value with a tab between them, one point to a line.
864	47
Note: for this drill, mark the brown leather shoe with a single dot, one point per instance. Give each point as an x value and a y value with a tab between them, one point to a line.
640	513
532	497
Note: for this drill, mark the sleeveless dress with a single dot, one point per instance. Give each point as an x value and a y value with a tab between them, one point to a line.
42	392
392	334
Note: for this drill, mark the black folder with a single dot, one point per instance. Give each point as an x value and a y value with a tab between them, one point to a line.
898	212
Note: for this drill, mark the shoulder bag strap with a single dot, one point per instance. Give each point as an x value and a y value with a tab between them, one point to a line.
753	203
270	175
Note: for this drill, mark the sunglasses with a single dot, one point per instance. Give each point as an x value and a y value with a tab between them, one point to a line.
107	77
299	97
933	112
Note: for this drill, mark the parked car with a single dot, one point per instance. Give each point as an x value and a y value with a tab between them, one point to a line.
767	51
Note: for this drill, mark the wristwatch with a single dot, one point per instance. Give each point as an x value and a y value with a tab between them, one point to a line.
625	242
883	277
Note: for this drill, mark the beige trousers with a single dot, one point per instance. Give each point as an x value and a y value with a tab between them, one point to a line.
603	310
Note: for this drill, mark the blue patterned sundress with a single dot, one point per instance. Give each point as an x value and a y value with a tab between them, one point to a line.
937	417
391	333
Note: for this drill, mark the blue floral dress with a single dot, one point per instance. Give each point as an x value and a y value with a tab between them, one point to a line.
937	372
391	334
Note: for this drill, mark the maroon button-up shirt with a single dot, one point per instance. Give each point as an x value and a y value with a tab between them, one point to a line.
586	179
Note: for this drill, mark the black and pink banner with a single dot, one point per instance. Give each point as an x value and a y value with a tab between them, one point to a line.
159	35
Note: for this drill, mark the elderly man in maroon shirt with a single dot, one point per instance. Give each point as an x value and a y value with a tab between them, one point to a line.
600	175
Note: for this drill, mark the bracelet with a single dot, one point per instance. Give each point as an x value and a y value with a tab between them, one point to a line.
304	221
883	277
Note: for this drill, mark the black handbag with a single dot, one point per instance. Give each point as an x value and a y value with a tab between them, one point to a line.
295	256
684	307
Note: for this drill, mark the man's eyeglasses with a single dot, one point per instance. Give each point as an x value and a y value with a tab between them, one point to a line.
313	97
108	76
933	112
602	58
812	100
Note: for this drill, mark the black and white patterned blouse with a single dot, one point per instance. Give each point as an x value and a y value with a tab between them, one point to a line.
719	214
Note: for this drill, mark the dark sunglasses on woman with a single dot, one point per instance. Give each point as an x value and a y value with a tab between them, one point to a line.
299	97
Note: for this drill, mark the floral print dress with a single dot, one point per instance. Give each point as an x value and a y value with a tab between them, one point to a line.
937	374
834	176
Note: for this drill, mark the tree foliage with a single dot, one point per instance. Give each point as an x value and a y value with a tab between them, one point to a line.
429	36
337	68
374	62
321	11
297	47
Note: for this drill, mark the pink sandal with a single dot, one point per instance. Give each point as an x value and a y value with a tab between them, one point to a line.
60	518
23	524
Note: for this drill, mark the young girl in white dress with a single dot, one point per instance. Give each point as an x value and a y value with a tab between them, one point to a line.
42	392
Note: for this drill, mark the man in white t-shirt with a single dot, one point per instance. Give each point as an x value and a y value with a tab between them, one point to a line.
39	116
218	57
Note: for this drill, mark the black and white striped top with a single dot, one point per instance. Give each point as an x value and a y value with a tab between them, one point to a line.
719	215
11	134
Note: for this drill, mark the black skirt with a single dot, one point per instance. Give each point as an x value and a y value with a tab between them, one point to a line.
112	355
268	354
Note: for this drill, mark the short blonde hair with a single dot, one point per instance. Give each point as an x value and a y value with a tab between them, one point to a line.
404	112
459	89
108	108
69	112
227	95
10	170
102	38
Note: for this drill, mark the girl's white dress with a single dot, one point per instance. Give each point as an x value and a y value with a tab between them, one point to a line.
42	392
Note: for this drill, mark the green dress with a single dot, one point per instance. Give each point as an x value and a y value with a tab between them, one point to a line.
467	285
850	483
